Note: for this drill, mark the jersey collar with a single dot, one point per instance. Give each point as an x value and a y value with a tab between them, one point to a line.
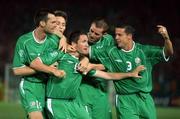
39	42
130	49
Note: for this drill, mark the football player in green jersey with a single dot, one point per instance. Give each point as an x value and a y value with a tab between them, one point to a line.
28	47
133	100
63	91
97	100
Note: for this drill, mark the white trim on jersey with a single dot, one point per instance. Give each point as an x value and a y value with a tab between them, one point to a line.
130	49
40	42
166	58
19	67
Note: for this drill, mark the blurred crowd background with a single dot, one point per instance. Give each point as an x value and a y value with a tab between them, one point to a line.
17	19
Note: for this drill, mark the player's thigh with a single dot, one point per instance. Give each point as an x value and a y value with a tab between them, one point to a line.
58	109
101	107
78	110
35	115
126	107
148	110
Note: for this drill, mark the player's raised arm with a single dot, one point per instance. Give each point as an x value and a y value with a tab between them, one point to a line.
168	48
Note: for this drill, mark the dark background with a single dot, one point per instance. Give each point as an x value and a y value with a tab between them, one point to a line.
17	19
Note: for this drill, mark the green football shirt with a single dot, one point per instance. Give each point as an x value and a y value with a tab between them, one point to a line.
28	48
126	61
106	41
66	87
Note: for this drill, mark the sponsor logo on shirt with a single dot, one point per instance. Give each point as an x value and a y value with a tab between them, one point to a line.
54	54
99	47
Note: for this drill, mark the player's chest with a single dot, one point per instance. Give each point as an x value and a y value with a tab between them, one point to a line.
126	61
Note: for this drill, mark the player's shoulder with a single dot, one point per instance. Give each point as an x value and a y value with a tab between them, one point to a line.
25	37
143	47
139	45
53	38
111	49
107	36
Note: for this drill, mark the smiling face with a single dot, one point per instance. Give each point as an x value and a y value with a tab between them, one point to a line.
95	33
123	39
50	24
61	23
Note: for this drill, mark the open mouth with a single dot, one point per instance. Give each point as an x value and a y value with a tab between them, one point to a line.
91	40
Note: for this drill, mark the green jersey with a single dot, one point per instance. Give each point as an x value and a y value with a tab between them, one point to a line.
66	87
106	40
28	48
126	61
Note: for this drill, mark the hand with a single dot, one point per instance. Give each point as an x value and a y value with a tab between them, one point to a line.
58	33
70	48
83	65
136	71
63	44
54	65
59	73
163	31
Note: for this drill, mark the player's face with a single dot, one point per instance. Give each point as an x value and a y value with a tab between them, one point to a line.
122	38
61	23
95	33
50	24
82	44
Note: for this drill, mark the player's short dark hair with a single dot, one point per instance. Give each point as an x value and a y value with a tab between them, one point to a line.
101	23
42	15
61	14
128	28
74	36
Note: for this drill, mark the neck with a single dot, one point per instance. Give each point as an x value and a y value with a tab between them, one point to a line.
129	46
39	34
76	54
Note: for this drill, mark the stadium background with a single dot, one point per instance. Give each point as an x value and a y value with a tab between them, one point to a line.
17	19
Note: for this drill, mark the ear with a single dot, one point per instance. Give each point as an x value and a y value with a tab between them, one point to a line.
105	33
74	44
130	36
42	23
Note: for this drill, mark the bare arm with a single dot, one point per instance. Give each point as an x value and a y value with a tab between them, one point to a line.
96	66
39	66
119	76
23	71
85	67
168	48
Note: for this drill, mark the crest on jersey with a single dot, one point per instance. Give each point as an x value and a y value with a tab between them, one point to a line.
21	53
137	60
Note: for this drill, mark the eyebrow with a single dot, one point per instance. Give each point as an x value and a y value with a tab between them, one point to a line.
94	32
